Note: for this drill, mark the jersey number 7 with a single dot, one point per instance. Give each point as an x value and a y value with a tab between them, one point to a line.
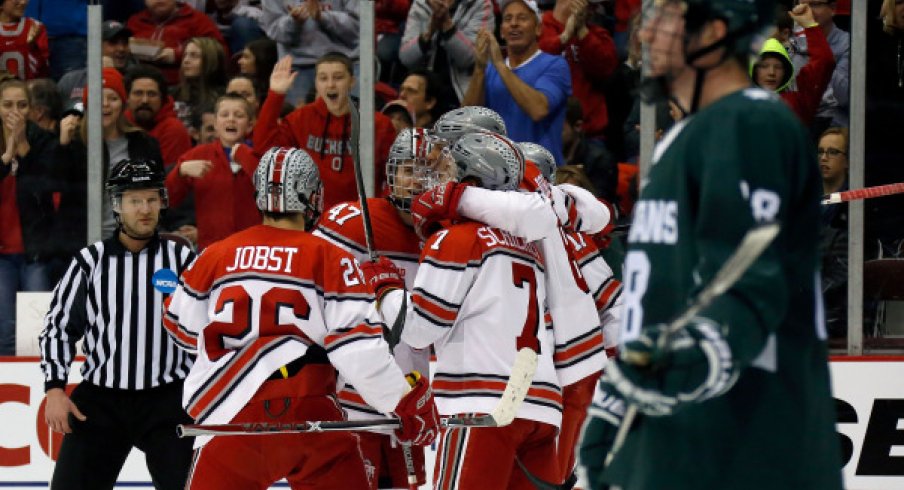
524	274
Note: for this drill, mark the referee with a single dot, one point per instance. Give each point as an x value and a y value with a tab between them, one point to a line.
112	296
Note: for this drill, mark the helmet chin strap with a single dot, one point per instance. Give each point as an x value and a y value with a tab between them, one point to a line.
656	89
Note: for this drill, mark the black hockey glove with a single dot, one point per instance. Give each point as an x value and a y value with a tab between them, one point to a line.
689	366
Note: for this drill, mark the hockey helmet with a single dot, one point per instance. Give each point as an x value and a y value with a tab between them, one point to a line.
746	19
287	181
493	160
541	157
135	174
458	122
417	161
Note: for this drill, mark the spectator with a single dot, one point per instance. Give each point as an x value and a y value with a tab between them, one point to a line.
833	165
400	114
202	125
201	77
884	113
307	30
773	70
528	88
322	128
25	48
121	140
833	110
150	108
244	86
598	164
257	60
621	93
390	16
439	37
591	56
46	104
422	91
26	206
114	46
238	21
66	28
170	24
219	175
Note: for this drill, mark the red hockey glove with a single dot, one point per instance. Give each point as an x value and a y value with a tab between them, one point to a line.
435	205
382	277
420	420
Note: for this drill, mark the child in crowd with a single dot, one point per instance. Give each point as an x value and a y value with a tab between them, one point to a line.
219	174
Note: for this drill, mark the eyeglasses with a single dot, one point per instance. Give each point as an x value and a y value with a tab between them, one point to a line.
832	152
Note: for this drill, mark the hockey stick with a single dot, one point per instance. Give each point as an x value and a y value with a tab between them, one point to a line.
395	331
541	484
752	246
515	391
359	179
865	193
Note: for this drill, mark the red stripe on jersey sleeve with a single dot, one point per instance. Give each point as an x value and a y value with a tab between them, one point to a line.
607	294
592	342
444	313
362	331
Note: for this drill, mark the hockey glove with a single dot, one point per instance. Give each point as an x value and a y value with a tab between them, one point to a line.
438	204
690	366
382	277
417	411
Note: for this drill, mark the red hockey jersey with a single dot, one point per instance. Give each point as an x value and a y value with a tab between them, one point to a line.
18	56
263	297
327	138
343	225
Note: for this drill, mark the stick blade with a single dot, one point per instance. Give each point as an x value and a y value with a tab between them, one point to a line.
516	390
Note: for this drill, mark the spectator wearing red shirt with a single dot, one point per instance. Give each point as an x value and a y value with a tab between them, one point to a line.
390	14
172	23
323	127
25	47
774	70
151	108
219	174
591	56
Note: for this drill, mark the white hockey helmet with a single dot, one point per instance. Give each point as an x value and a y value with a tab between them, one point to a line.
417	161
492	160
287	181
469	119
541	157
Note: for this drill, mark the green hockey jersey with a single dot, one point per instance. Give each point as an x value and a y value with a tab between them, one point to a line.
744	159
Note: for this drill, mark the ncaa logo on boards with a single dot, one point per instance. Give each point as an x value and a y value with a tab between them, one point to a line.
165	281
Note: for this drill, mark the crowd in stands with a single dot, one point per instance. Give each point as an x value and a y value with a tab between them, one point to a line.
204	87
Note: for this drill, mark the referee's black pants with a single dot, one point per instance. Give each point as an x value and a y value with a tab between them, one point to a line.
117	420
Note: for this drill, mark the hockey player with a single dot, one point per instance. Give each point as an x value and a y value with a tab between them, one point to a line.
273	313
740	397
417	161
323	127
574	267
478	298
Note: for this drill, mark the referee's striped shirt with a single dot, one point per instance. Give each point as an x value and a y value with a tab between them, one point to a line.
114	299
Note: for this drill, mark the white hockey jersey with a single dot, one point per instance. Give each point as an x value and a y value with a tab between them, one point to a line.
478	298
260	299
343	225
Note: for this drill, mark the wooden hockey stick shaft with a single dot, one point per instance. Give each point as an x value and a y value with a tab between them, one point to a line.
752	246
865	193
